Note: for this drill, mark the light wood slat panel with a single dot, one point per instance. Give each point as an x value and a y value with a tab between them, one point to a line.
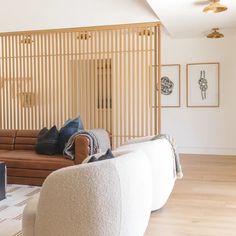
124	87
7	87
101	74
88	79
108	79
3	86
133	80
129	103
96	100
117	89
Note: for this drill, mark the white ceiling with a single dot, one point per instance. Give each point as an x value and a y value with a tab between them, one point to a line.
184	18
21	15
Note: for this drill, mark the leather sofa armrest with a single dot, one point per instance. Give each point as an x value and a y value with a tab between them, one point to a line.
81	149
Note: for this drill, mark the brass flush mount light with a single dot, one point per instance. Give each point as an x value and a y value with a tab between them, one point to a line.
215	34
84	36
147	32
27	39
215	7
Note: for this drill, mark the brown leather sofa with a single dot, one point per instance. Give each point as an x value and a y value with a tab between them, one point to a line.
24	165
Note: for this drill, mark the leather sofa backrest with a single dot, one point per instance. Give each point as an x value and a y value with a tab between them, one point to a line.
26	139
7	139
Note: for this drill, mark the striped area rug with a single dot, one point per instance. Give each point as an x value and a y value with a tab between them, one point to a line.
12	207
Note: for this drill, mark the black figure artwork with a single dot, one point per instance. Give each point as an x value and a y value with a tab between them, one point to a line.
203	84
166	86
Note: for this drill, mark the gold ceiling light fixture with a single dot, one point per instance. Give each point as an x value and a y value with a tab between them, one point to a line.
27	39
215	34
147	32
215	7
84	36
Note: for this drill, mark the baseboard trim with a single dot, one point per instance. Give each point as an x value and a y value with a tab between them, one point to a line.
207	150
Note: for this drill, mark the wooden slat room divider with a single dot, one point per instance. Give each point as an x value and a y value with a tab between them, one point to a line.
102	74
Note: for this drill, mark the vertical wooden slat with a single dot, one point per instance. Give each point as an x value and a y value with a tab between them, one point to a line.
27	81
7	87
76	87
92	79
133	82
40	103
118	131
112	88
32	124
12	80
138	85
81	104
147	82
124	87
88	78
54	80
96	99
10	104
152	88
61	56
45	86
108	79
130	89
34	81
16	40
158	42
4	84
42	81
100	80
121	88
84	77
103	81
65	64
71	95
143	84
67	102
49	78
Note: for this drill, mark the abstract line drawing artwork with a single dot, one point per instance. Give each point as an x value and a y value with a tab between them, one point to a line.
203	84
170	85
167	86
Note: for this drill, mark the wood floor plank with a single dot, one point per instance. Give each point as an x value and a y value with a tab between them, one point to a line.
203	203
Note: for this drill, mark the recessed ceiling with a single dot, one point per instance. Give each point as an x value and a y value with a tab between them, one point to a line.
184	18
24	15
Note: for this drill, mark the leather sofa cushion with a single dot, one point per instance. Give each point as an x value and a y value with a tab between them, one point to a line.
26	139
7	138
30	159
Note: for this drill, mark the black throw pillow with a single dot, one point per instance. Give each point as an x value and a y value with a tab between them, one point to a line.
47	141
106	156
70	127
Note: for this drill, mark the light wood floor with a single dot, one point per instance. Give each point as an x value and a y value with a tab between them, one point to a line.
203	202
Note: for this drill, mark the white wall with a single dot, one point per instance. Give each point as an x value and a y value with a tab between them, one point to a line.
27	15
203	130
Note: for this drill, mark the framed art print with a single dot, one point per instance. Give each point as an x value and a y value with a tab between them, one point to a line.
170	85
203	84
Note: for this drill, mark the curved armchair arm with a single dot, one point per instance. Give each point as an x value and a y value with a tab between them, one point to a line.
111	197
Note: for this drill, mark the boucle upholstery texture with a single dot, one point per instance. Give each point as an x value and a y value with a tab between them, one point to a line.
161	157
107	198
30	210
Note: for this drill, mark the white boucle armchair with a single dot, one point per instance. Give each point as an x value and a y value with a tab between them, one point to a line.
105	198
